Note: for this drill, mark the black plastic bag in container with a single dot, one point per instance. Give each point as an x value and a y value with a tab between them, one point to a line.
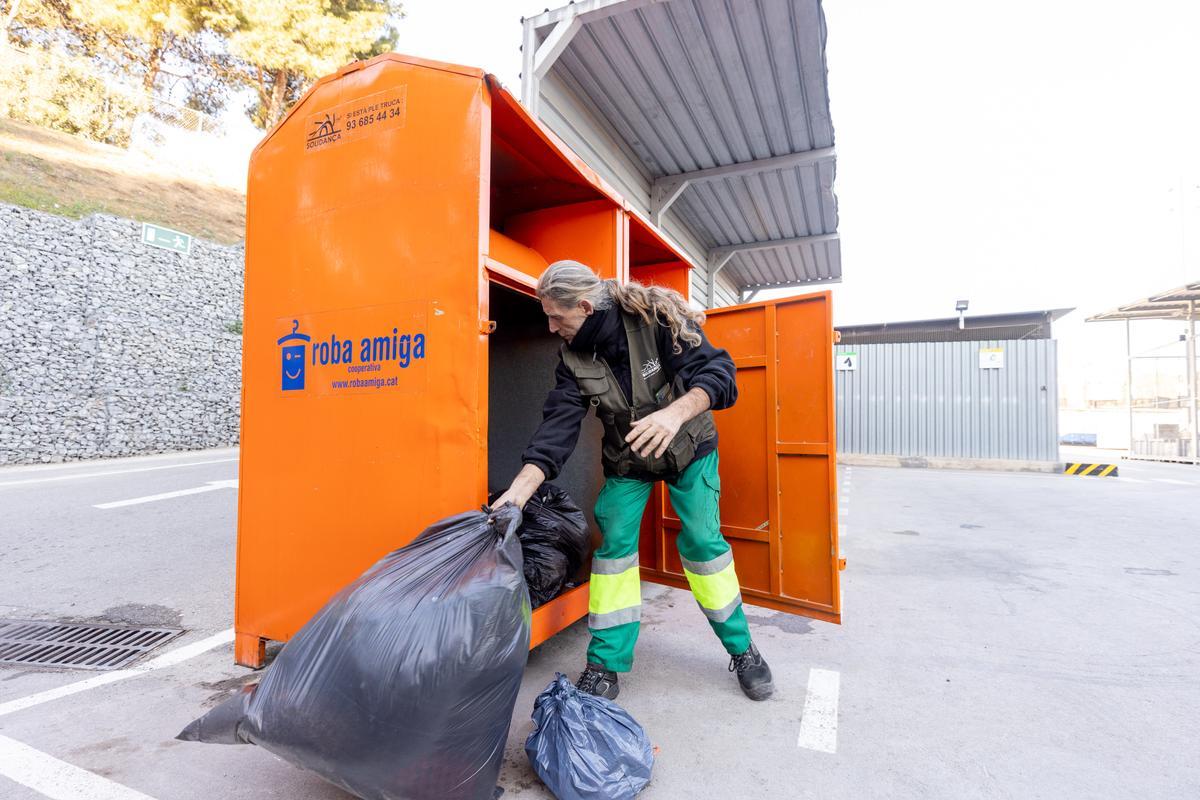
555	540
402	687
584	747
545	572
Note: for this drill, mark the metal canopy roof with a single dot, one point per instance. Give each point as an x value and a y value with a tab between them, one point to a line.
723	111
1017	325
1182	303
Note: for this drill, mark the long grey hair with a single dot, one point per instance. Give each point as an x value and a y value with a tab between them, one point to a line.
566	283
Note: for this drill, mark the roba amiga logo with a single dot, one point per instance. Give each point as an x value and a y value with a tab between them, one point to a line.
340	363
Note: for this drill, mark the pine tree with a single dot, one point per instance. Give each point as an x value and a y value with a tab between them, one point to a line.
284	45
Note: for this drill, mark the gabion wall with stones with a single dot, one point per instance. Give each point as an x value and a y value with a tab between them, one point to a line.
109	347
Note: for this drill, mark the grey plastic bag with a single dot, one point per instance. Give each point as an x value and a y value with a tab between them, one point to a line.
585	747
402	687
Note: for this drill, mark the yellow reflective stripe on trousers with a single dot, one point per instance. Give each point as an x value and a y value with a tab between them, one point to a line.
716	591
613	592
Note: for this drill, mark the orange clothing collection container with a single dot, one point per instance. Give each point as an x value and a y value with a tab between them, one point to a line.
395	359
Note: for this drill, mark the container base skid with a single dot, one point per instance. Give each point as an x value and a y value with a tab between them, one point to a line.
250	649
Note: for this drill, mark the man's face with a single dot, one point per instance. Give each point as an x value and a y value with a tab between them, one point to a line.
566	322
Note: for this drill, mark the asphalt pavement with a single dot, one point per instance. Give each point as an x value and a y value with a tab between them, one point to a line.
1006	635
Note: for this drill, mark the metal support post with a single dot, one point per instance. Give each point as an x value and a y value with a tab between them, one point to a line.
1129	383
1193	390
716	263
529	81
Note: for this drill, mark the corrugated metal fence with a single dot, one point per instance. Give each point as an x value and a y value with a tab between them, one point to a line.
935	399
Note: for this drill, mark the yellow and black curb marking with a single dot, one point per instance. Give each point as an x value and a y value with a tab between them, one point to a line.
1096	470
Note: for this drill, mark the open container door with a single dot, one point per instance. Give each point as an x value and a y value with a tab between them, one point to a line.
778	461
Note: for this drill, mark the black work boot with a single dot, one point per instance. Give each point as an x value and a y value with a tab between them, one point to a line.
598	681
753	673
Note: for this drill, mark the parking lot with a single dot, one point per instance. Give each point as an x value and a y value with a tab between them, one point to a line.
1006	635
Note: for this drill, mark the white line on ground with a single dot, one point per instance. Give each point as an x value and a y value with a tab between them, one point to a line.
57	779
818	726
169	659
1173	481
1130	480
114	472
212	485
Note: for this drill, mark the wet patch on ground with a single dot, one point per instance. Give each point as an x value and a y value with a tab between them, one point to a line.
788	623
223	690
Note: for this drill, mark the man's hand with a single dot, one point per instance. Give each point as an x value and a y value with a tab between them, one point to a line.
654	433
523	487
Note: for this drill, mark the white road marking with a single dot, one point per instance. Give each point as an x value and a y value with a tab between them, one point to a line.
57	779
818	726
211	486
1130	480
1173	481
114	472
169	659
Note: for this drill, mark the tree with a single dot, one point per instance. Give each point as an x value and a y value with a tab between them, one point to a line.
59	90
282	46
21	18
146	32
59	76
10	12
213	48
126	38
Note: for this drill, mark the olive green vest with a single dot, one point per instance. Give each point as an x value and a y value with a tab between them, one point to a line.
651	392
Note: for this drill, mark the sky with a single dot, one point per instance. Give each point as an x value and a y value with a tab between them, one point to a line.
1021	155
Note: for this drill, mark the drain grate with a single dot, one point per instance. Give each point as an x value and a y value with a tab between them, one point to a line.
81	646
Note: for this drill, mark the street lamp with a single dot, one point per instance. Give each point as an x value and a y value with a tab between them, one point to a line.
961	307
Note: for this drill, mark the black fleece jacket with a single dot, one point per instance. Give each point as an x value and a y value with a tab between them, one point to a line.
703	366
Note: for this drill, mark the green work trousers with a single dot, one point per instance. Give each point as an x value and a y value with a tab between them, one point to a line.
615	605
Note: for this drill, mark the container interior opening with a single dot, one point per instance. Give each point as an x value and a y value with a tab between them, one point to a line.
645	247
527	173
522	355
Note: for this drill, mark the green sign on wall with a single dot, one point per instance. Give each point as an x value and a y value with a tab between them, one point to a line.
157	236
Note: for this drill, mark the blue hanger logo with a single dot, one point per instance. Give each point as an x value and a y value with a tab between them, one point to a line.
293	358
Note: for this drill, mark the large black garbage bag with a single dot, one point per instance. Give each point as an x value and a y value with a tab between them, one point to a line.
555	542
584	747
402	687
